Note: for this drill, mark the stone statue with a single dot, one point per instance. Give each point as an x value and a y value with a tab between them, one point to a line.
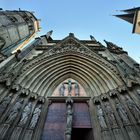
25	114
138	91
110	115
69	86
122	112
76	89
101	118
69	116
62	90
35	117
69	122
133	109
14	111
4	103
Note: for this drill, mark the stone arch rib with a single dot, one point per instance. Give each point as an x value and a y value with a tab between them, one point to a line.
43	76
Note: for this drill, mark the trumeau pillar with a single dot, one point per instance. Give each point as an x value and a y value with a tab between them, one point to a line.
69	116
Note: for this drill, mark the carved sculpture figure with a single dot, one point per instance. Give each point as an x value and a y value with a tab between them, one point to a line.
25	114
35	117
14	111
4	103
122	112
133	109
110	114
69	86
76	89
101	118
138	91
69	122
69	116
62	90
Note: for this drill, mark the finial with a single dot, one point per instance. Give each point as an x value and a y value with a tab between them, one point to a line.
92	38
71	34
49	33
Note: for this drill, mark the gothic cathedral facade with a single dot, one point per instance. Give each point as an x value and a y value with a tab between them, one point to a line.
70	89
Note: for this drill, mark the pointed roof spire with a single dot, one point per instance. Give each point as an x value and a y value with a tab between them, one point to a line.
132	10
132	17
127	17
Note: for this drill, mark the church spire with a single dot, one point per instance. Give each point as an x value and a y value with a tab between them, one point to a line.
127	17
132	17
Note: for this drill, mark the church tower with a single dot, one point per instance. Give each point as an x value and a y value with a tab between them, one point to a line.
70	89
16	28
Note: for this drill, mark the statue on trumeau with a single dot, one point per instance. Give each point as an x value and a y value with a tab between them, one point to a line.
4	103
69	116
14	111
25	114
122	112
35	117
69	122
101	118
133	109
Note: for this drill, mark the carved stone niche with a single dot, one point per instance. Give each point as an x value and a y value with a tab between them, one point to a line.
96	101
16	87
104	97
41	100
24	92
122	89
113	93
33	96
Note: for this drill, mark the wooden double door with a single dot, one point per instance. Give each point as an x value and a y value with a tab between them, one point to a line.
55	124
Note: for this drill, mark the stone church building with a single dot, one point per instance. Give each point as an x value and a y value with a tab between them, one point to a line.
69	89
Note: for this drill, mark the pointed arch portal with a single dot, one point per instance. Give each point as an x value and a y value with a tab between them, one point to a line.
44	74
68	69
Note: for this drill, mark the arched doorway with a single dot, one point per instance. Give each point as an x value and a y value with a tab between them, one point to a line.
56	127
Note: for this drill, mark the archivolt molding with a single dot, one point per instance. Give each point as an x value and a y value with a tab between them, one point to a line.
42	77
72	45
68	59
